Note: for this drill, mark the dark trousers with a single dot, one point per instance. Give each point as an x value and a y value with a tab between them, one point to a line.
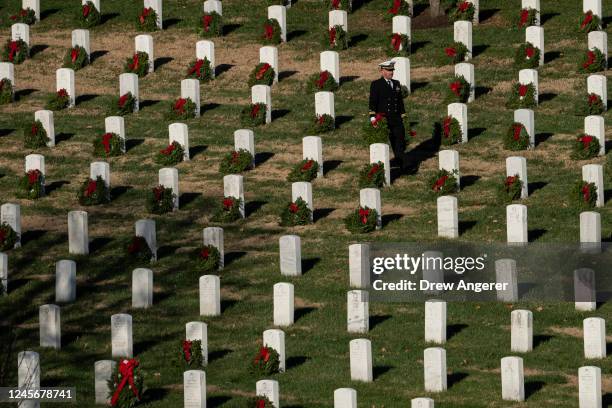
397	137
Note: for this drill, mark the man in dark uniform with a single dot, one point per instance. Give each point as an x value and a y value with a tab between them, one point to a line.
386	97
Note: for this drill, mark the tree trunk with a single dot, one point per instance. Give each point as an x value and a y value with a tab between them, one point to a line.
434	8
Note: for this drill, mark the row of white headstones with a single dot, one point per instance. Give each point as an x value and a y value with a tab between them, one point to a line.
148	273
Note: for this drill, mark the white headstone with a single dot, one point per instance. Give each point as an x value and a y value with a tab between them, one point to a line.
116	125
28	372
279	13
303	190
358	316
324	104
194	389
590	230
214	236
121	336
7	71
338	18
463	34
345	398
594	6
144	43
21	31
142	288
530	76
526	118
290	255
283	304
157	6
312	149
179	132
370	197
518	165
596	84
169	178
466	70
213	5
262	94
448	217
448	160
421	402
595	126
594	331
128	82
269	54
269	389
103	371
146	229
100	169
585	293
516	224
210	295
233	187
275	339
361	360
198	331
36	162
11	214
190	88
532	4
535	36
599	40
65	281
46	118
402	71
359	265
432	270
65	80
78	233
49	321
521	332
96	4
401	25
205	49
513	382
33	5
459	111
80	38
4	272
505	273
593	173
330	62
245	139
589	387
379	152
434	362
435	321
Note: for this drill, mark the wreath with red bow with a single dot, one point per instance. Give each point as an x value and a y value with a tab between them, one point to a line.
305	170
236	162
160	200
398	45
335	38
8	237
458	90
126	385
25	16
322	123
191	354
444	182
15	51
210	25
362	220
124	105
254	114
208	258
522	96
182	109
138	249
295	213
35	135
510	189
585	147
89	15
516	137
527	17
108	145
171	155
75	58
6	91
147	20
229	211
266	362
584	194
322	81
58	100
592	105
527	56
448	131
137	64
463	10
200	69
32	184
592	61
271	32
93	192
590	22
372	175
262	74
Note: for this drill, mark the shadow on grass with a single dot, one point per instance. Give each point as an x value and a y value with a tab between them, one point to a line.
195	150
454	329
531	387
160	62
118	191
262	157
547	16
187	198
356	39
98	243
252	207
208	107
227	304
320	213
455	378
107	17
541	339
389	218
63	137
487	14
217	401
218	354
48	12
32	235
97	54
301	312
378	371
295	361
542	137
279	113
535	186
466	225
309	263
535	234
233	256
55	185
544	97
286	74
85	98
292	35
479	49
148	102
417	45
416	85
228	28
37	49
348	78
166	250
22	93
482	90
469	180
154	394
132	143
221	68
171	22
378	319
342	119
475	132
550	56
330	165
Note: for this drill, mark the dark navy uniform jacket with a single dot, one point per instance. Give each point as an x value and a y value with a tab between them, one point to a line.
384	99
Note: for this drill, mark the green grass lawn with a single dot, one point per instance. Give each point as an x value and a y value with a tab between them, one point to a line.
317	346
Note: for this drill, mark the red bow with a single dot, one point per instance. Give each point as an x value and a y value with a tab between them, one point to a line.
463	6
33	176
13	49
204	253
123	99
74	54
363	214
196	67
261	403
293	208
440	183
524	17
593	99
134	64
522	90
529	52
455	87
264	354
378	118
86	10
106	139
510	181
135	245
268	31
308	165
446	125
335	4
126	370
235	156
323	77
396	6
373	170
517	131
145	14
91	188
396	41
157	192
179	105
206	20
262	71
590	59
168	150
586	193
228	203
62	93
254	111
450	51
332	36
320	119
586	141
187	349
588	17
34	129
